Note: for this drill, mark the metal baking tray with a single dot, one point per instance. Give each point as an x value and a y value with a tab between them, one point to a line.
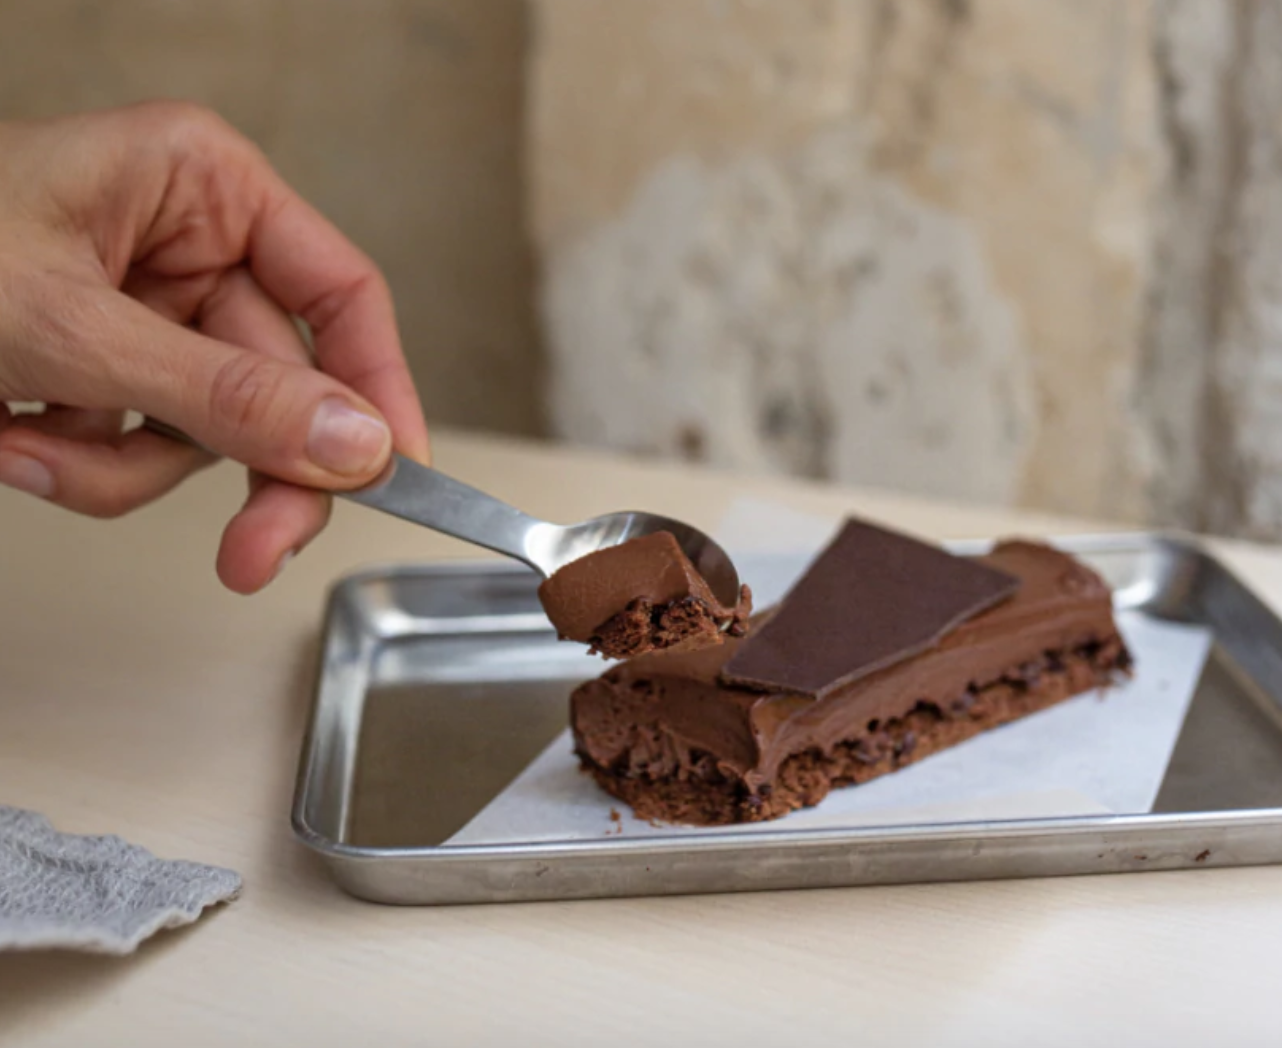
439	684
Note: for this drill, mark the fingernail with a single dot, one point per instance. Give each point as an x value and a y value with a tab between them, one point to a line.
25	474
344	440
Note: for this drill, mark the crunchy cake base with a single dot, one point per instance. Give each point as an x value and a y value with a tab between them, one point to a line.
704	795
644	626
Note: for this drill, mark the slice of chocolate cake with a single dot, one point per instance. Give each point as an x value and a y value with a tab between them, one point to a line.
746	731
639	596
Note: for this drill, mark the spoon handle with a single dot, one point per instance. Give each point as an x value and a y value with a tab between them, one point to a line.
427	496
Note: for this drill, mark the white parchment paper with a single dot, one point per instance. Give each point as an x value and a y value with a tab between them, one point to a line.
1089	755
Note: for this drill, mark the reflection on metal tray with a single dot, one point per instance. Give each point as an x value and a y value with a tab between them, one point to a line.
439	684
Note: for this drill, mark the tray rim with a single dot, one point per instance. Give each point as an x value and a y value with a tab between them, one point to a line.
658	847
989	830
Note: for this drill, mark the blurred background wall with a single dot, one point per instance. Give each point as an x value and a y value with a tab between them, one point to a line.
1026	251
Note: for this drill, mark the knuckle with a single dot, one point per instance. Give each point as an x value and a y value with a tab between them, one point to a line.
67	322
109	502
376	284
29	299
109	506
191	133
48	337
369	283
176	115
244	390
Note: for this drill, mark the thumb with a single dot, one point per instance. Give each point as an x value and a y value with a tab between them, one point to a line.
283	419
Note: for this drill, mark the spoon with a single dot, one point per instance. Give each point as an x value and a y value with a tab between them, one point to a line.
429	497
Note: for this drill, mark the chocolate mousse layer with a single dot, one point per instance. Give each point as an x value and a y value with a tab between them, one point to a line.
667	734
640	596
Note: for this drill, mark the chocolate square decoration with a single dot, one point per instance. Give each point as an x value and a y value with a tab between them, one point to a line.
871	599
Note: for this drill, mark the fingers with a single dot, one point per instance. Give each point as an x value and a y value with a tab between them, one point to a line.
277	521
316	273
223	205
169	228
98	478
169	194
287	420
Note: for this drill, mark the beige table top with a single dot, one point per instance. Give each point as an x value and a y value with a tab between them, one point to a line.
138	698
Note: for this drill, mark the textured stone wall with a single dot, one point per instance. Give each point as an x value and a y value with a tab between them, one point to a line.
1212	376
904	243
399	118
1019	250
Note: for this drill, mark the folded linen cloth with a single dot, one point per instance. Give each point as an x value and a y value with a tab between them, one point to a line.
97	894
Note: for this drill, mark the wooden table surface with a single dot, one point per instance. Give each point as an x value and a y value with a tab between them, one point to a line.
139	698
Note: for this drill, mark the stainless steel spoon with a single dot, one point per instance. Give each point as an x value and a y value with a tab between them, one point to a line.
428	497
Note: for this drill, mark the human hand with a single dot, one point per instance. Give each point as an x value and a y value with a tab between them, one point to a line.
151	260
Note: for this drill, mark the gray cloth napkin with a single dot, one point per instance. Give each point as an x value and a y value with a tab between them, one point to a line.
98	894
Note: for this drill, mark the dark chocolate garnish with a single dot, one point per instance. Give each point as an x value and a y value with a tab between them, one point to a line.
871	599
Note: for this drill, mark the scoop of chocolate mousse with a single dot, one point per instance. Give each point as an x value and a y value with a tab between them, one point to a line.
639	596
